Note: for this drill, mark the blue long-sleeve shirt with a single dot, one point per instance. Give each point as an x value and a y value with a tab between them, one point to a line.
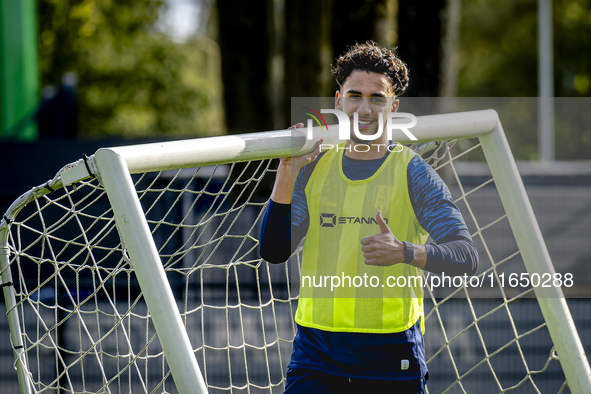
372	356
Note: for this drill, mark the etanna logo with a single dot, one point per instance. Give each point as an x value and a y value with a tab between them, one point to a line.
328	220
331	220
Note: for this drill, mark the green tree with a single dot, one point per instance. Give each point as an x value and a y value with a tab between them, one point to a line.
499	58
134	81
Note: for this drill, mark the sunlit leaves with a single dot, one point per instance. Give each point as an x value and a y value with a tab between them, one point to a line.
133	81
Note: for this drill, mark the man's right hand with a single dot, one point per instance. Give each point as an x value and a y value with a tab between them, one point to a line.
288	170
297	162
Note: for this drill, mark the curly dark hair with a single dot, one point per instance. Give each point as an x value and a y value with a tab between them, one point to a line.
371	57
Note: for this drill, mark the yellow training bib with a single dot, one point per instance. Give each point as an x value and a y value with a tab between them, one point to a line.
338	291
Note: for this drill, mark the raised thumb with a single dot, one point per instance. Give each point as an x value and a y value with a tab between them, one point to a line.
383	226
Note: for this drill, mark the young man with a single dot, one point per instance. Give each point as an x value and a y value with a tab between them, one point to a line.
366	212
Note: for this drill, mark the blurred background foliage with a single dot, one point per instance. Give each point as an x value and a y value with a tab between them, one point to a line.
238	70
498	58
134	81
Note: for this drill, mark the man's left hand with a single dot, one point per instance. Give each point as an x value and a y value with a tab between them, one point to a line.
382	249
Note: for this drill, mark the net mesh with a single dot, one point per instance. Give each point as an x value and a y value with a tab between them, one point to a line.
86	327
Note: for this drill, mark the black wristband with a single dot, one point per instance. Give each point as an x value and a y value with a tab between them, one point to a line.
409	252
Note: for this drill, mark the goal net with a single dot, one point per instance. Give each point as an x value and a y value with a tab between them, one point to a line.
152	282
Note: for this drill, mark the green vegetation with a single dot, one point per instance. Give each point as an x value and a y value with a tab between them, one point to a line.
498	58
133	81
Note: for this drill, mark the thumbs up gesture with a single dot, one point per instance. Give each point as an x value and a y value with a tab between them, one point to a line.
382	249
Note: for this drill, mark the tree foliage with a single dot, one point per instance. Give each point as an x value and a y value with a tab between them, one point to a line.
499	58
133	81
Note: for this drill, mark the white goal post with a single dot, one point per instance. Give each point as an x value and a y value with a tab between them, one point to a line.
113	168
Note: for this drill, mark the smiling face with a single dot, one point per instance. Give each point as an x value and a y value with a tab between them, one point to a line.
369	94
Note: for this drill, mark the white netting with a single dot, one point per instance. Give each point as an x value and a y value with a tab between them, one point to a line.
86	327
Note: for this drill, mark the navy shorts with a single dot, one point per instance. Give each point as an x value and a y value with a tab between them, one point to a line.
308	381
